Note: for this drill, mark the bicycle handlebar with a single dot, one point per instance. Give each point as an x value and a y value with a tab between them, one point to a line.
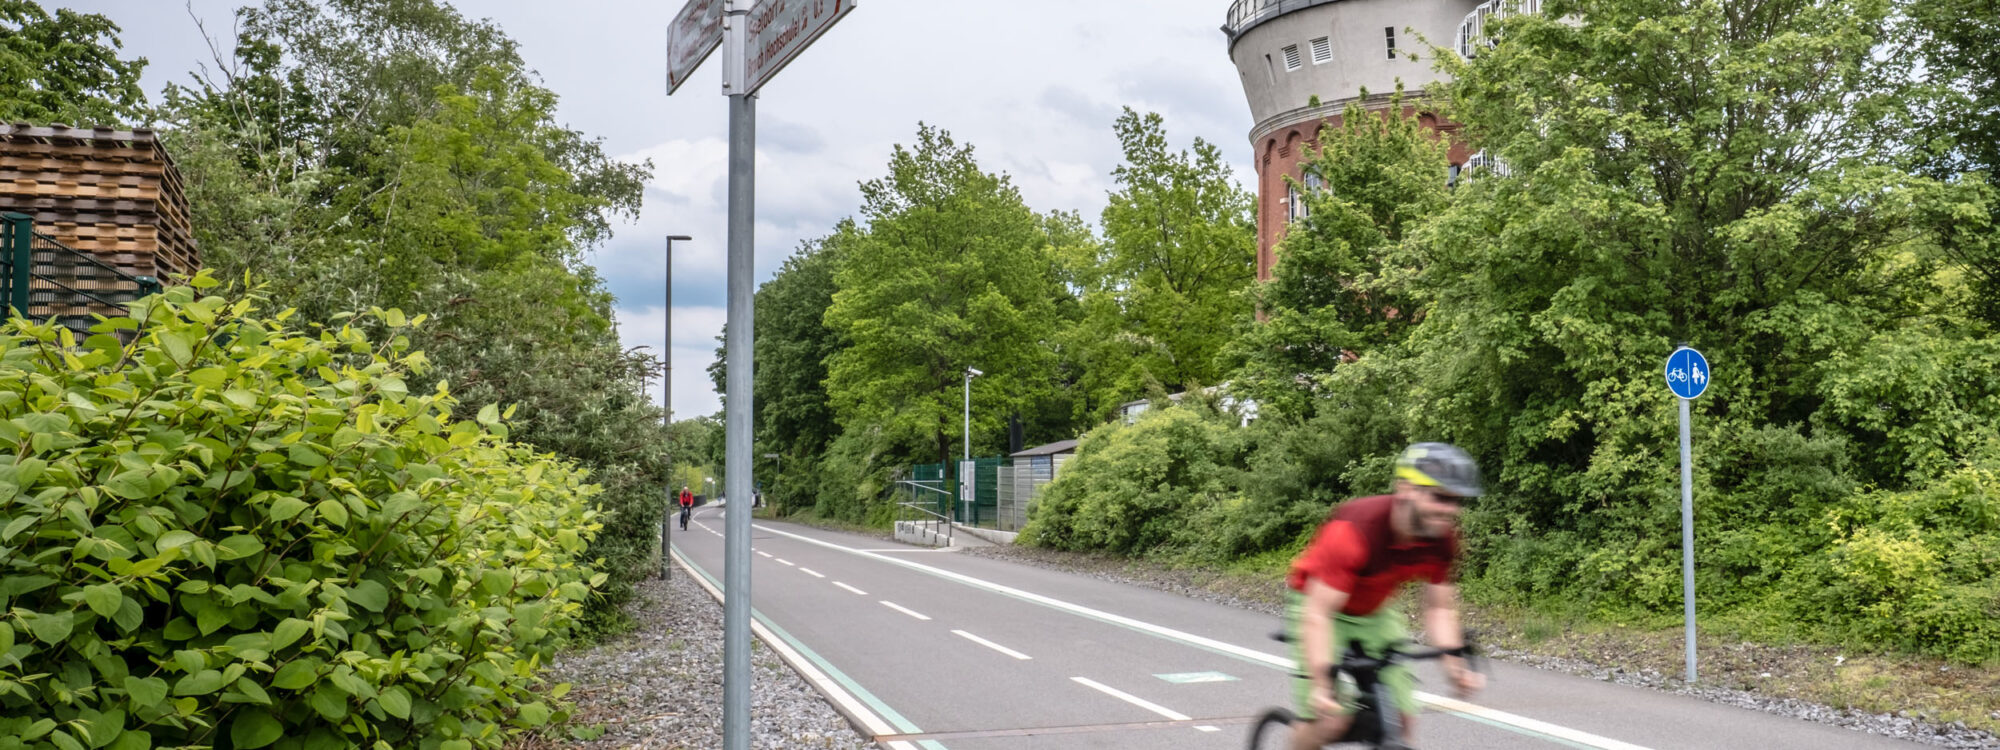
1354	661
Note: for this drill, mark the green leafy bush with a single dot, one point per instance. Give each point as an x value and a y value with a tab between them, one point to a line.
1136	488
1917	569
228	533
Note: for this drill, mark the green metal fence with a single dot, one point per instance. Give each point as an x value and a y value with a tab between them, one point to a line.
982	507
41	278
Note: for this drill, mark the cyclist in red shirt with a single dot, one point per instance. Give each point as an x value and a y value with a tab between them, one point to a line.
1368	549
687	506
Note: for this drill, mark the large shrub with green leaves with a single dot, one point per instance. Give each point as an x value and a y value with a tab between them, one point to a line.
231	533
1137	488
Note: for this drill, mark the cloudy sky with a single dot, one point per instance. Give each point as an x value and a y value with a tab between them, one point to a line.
1033	84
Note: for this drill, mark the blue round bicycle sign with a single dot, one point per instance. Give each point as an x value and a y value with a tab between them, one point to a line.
1687	372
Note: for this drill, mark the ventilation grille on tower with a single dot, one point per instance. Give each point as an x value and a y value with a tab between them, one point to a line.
1322	50
1292	57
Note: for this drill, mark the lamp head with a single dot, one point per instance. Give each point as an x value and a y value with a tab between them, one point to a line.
973	372
681	237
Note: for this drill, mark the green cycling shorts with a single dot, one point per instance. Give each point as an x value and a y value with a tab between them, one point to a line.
1377	632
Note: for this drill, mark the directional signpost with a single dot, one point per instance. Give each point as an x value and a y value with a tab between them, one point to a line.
757	41
1687	377
695	32
780	29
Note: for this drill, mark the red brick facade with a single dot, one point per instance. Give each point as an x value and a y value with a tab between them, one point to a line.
1282	152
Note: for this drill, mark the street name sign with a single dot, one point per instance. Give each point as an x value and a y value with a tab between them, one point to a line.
1687	372
695	32
780	29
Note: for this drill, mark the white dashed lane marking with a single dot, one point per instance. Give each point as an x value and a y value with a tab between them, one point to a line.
1132	699
850	588
813	573
992	645
904	610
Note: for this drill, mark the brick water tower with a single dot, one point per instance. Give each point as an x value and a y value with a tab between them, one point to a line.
1290	53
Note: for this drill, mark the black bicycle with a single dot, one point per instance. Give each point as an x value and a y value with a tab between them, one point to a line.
1373	726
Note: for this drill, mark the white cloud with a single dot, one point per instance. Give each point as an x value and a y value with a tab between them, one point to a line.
695	329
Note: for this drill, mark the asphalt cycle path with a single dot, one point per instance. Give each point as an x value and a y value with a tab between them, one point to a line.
934	649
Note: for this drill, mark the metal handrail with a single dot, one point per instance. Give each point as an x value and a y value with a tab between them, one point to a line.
936	521
29	256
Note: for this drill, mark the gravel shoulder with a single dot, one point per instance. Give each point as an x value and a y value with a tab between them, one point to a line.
660	686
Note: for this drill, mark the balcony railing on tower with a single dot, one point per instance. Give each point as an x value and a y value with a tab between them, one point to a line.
1472	30
1244	14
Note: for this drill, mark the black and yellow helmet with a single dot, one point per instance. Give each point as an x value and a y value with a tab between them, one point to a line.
1440	465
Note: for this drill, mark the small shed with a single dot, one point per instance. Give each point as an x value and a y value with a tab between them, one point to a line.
1042	461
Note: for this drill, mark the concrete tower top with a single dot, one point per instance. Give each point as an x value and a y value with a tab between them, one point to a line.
1287	52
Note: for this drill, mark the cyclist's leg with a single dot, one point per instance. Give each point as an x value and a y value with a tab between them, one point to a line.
1377	633
1311	732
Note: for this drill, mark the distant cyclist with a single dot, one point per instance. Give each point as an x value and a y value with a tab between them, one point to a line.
687	506
1368	549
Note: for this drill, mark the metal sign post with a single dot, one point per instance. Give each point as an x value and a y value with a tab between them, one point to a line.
757	40
1687	377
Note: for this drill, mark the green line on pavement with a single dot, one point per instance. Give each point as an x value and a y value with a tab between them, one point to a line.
902	725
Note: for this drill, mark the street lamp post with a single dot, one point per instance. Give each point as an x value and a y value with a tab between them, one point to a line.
667	412
970	373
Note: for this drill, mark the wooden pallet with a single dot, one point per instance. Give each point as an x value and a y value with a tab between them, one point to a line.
113	193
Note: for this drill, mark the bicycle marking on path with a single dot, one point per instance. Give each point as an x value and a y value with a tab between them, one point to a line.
992	645
850	588
1493	717
905	610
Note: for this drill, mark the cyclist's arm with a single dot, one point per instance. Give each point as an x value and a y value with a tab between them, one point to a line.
1322	603
1441	620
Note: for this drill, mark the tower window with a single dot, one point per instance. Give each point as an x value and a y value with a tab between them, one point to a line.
1322	50
1292	57
1390	32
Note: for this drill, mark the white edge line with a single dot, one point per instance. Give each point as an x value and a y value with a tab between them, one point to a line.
850	588
992	645
875	725
811	572
905	610
1523	722
1132	699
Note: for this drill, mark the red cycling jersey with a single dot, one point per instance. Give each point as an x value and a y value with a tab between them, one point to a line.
1357	552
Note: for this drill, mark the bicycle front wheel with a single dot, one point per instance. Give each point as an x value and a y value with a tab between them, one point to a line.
1272	730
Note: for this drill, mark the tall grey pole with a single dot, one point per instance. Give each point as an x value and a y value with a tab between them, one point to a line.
968	415
1687	537
667	404
737	341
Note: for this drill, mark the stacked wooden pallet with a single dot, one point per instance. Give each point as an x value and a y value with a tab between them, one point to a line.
112	193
